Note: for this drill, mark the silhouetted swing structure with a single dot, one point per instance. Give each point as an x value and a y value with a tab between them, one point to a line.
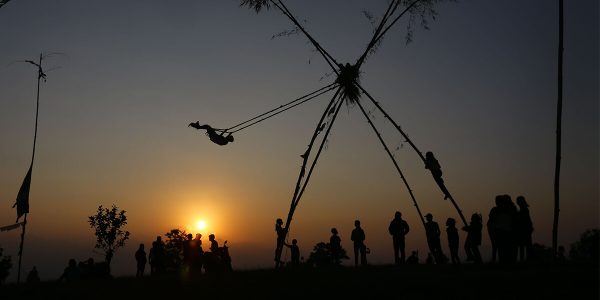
347	89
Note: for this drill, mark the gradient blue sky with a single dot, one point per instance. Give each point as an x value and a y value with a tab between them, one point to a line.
478	89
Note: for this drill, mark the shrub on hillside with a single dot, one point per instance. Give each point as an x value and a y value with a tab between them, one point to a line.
587	249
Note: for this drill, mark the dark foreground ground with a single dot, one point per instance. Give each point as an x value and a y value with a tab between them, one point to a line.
379	282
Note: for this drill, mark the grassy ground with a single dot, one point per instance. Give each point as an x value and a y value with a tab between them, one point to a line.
405	282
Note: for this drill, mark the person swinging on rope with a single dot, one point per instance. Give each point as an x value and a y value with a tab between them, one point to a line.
219	139
436	170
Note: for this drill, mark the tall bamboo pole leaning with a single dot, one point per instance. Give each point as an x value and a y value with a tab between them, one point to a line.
558	129
298	189
412	196
410	142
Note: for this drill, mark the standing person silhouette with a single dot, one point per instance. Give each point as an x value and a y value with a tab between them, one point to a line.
432	230
295	250
72	273
214	245
152	259
524	230
335	246
187	250
452	233
140	258
398	229
280	240
492	227
474	239
358	237
159	256
436	171
506	231
197	254
33	277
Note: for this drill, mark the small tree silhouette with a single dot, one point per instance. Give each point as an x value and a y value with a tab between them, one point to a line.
108	224
174	248
321	256
5	265
587	248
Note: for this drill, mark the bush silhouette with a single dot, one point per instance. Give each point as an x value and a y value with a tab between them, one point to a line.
587	248
5	265
174	242
321	256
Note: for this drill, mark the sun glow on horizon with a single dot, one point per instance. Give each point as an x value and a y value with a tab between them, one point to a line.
201	225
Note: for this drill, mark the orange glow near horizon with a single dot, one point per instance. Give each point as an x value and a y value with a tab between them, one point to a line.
201	225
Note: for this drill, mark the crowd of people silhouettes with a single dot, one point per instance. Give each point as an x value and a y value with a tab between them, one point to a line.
509	229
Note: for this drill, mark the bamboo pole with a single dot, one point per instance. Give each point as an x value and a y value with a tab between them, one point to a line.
37	110
21	249
410	142
412	196
301	175
558	129
328	58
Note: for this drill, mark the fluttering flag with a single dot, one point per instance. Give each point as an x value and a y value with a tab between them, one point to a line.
12	226
22	203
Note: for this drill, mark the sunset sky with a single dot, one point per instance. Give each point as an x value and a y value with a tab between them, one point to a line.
478	89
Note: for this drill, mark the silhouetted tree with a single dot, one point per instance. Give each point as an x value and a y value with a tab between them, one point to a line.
108	224
174	242
5	265
587	248
321	256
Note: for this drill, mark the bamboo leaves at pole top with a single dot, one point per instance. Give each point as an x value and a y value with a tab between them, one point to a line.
257	5
2	2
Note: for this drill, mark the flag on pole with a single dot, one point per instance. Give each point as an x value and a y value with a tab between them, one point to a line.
12	226
22	203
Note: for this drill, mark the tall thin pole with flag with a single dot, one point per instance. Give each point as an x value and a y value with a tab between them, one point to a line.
22	202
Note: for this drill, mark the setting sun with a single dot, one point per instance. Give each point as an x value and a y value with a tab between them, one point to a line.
201	225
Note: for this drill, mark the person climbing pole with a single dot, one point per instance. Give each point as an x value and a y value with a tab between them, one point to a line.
436	170
219	139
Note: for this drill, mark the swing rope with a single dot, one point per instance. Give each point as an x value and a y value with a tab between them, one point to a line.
282	108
